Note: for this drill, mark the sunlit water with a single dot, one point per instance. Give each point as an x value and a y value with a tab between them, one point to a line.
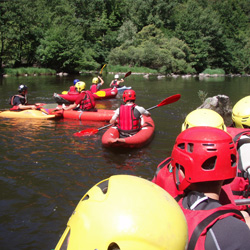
45	170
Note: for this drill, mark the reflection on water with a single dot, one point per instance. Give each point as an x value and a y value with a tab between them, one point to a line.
45	170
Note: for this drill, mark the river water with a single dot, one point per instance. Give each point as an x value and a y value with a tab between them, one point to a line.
45	170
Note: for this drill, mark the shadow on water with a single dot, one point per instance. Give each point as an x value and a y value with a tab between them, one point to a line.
45	170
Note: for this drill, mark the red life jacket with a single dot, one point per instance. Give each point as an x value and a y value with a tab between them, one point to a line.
240	185
88	102
165	179
72	89
93	88
199	222
127	121
23	101
114	84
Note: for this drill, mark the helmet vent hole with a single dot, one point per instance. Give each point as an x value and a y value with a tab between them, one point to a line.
233	160
104	186
209	147
113	246
181	146
210	163
86	197
190	147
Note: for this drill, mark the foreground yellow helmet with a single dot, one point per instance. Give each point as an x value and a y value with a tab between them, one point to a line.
80	86
127	213
204	117
95	80
241	113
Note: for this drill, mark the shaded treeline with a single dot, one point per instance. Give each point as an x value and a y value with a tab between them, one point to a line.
172	36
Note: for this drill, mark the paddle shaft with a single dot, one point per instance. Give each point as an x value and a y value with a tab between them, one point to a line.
240	202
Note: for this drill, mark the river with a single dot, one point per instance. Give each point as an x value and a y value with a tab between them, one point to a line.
45	170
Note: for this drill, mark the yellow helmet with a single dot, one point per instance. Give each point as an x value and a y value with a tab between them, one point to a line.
80	86
241	113
126	212
204	117
95	80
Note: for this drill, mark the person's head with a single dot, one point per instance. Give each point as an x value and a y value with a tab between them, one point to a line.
126	212
22	89
116	76
241	113
129	95
80	86
75	81
203	154
203	117
95	80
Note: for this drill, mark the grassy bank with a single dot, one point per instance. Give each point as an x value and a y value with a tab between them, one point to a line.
28	71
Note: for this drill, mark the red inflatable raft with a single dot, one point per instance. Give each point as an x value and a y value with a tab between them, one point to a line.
100	115
71	97
143	137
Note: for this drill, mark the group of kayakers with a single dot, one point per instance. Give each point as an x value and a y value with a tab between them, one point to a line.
207	172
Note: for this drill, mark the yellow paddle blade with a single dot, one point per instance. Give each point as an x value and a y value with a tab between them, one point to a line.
100	93
65	92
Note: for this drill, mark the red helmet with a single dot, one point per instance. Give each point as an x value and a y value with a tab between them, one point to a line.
129	95
203	154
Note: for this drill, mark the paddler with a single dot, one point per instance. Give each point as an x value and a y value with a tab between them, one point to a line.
96	85
203	160
116	82
128	116
85	101
19	101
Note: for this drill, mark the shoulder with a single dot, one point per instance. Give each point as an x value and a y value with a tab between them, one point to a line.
229	233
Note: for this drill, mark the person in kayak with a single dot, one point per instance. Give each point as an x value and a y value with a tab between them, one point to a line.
96	85
204	159
164	172
72	88
19	101
125	212
116	82
128	116
85	101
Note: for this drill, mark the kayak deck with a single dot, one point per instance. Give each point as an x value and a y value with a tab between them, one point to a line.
27	114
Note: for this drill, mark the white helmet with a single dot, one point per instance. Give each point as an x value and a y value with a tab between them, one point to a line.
116	76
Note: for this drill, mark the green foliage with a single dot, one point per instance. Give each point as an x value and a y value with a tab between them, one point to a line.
214	71
118	68
170	36
28	71
202	95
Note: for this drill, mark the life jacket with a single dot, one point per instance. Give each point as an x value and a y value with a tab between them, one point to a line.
88	102
127	121
73	90
23	101
114	84
240	185
200	221
93	88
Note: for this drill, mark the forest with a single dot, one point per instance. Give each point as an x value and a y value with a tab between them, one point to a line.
170	36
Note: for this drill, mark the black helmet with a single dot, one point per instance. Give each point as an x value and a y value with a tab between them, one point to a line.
22	88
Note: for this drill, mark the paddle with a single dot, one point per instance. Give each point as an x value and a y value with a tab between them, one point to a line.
100	93
102	69
127	74
91	131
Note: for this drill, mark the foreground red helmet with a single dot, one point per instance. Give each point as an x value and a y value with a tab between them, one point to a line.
129	95
203	154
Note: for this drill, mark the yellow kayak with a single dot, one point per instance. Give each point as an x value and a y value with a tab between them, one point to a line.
27	114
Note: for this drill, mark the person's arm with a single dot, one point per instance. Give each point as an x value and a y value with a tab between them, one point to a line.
142	110
24	107
101	80
114	117
111	83
71	106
